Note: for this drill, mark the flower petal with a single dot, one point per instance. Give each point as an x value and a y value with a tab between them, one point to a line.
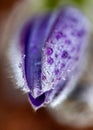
33	52
56	56
67	41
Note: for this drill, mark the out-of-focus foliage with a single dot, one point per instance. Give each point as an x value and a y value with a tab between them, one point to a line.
51	4
86	6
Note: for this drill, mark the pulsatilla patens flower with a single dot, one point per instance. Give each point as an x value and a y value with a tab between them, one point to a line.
49	54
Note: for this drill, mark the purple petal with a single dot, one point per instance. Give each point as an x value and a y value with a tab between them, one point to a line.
54	46
53	93
65	46
33	53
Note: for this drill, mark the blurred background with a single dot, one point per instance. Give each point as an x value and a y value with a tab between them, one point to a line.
15	110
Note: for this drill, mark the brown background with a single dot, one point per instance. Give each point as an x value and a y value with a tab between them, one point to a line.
20	116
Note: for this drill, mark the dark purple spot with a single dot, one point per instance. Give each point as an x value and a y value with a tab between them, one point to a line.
52	80
69	57
78	33
60	35
81	33
23	75
64	54
62	65
59	78
56	71
43	77
68	41
50	60
56	55
51	41
49	51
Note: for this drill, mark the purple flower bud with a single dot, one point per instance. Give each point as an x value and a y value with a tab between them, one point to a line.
54	47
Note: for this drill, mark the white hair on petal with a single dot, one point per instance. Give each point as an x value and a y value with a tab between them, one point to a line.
14	56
